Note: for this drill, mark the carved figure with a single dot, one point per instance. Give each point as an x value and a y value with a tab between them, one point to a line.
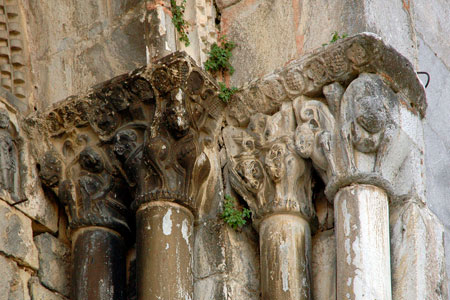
50	169
95	197
265	167
8	156
366	125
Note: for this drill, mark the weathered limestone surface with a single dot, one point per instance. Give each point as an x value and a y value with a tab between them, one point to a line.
417	253
164	251
54	263
323	265
259	28
16	237
362	241
96	39
13	282
39	292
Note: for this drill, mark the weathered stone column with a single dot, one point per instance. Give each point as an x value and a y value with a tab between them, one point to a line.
98	270
285	246
352	102
164	251
275	182
97	217
362	239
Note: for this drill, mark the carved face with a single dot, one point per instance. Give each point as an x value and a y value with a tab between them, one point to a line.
251	173
304	140
91	161
4	119
50	170
177	116
124	143
275	164
370	113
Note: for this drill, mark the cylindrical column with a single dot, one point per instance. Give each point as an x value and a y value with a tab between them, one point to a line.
285	246
164	251
98	265
362	238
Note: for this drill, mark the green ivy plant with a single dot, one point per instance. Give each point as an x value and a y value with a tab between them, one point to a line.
219	56
234	217
335	37
179	21
225	92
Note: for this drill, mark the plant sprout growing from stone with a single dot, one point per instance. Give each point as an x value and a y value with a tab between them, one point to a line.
178	20
226	92
234	217
219	56
335	37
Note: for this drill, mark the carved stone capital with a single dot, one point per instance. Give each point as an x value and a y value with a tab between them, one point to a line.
147	133
265	168
357	104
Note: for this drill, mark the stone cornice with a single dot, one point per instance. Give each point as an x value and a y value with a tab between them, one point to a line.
340	62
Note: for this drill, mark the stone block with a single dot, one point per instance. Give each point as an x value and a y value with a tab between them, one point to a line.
54	263
13	283
209	256
417	253
39	292
259	28
323	265
16	236
38	206
242	261
213	287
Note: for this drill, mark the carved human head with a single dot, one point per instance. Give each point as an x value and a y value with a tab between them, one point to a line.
4	119
50	169
125	143
251	173
177	115
91	161
304	140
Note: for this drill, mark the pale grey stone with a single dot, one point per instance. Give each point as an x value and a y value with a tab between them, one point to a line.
16	236
417	253
39	292
54	263
323	265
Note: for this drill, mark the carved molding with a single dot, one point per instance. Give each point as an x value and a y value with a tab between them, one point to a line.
139	137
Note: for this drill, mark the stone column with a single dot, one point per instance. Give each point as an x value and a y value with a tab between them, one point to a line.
362	238
98	219
98	270
276	184
164	251
285	252
358	148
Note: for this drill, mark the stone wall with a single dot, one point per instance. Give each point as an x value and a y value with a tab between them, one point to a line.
76	44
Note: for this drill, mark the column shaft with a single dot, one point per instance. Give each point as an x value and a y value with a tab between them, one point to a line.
164	251
285	246
362	238
98	265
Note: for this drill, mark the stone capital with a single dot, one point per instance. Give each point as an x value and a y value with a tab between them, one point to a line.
143	136
265	168
357	106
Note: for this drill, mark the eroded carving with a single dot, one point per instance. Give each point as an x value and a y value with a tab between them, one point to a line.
266	169
9	154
